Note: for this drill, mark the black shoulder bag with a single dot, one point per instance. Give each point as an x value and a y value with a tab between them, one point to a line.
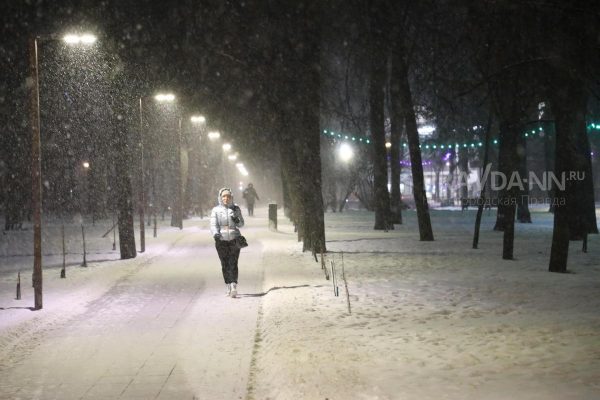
241	242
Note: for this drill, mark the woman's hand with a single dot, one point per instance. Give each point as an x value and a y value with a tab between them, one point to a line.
232	214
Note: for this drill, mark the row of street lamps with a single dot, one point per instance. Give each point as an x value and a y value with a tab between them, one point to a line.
34	94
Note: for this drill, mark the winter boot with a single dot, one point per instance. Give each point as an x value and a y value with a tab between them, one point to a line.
228	289
233	290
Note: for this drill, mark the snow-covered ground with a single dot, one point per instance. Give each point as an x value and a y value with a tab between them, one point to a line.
428	320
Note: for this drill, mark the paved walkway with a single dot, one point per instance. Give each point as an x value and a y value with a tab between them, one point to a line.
165	331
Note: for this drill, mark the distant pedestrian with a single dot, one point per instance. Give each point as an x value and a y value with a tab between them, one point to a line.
225	219
251	196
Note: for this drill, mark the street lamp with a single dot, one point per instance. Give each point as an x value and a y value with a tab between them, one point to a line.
36	154
165	97
226	149
345	152
79	39
213	135
198	119
86	173
142	190
159	98
177	214
240	166
194	156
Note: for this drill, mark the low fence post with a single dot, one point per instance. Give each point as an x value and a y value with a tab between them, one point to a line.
84	263
63	271
272	216
19	285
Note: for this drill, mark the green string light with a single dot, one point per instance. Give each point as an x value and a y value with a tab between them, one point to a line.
429	144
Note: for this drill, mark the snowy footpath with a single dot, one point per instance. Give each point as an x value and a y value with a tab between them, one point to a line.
419	320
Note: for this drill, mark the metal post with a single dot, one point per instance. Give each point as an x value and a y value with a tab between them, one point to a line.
155	234
114	229
154	208
179	199
142	189
84	263
18	286
63	271
273	216
36	192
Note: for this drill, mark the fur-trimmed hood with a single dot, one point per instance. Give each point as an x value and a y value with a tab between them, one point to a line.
224	189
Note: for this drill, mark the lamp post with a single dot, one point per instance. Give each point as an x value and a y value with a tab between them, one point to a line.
194	158
36	154
177	214
142	190
86	173
214	137
226	149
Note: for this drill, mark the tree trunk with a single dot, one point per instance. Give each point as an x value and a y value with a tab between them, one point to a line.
564	153
463	165
582	220
349	190
523	214
310	152
287	201
549	161
298	82
192	194
291	181
123	161
559	252
450	177
504	169
438	171
383	215
484	183
508	166
574	209
410	120
396	125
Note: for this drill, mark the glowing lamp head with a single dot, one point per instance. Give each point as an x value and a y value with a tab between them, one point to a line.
242	169
214	135
87	39
345	152
165	97
198	119
426	130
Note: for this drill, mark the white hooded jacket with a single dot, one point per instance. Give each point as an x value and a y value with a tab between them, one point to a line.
221	221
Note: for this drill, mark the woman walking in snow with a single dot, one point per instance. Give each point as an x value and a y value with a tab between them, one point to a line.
225	219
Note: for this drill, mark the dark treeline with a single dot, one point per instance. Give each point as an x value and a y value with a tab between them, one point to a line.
273	75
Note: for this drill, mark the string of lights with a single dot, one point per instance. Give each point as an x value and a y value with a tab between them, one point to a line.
432	144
